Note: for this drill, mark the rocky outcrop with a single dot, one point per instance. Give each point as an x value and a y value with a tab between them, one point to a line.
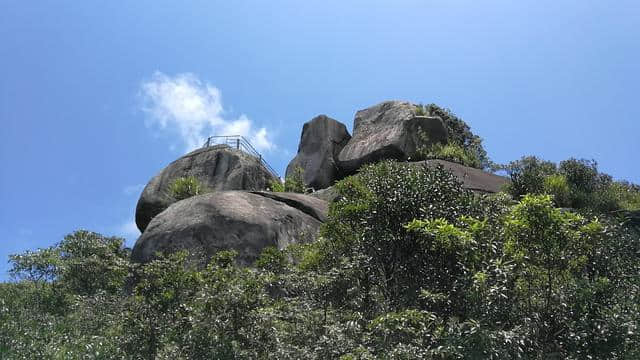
244	221
322	140
389	130
217	167
472	178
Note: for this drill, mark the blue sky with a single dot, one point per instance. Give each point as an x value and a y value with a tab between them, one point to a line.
97	97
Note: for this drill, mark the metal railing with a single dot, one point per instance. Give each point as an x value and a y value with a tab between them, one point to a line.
241	143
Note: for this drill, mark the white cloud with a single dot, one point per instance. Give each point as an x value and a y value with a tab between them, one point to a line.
185	104
260	140
129	231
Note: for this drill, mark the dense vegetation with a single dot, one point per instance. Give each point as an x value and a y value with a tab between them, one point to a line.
409	266
463	146
573	183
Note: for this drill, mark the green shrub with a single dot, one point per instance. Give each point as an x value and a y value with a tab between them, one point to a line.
627	195
449	152
295	181
581	174
459	133
575	183
528	174
185	187
370	220
292	183
558	186
276	185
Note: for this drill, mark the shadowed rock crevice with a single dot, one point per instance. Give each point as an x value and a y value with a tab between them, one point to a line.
244	221
311	206
321	141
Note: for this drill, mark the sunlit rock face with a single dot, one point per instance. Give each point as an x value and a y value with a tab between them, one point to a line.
243	221
217	168
389	130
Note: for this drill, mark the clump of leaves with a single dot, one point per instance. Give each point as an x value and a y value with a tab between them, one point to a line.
186	187
627	195
450	152
460	137
292	183
276	185
295	181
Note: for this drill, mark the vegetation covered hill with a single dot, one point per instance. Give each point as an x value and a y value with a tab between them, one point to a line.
410	265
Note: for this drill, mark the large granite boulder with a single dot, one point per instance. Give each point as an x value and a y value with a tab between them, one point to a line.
244	221
389	130
217	167
322	140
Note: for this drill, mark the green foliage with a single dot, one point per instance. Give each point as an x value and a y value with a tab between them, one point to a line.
460	136
450	152
84	263
558	186
276	185
573	183
295	181
185	187
292	183
409	266
627	195
528	174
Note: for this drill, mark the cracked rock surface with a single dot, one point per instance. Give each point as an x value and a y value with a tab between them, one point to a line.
217	167
240	220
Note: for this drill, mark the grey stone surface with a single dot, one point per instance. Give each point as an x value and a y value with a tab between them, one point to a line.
389	130
329	194
472	178
217	167
321	141
314	207
244	221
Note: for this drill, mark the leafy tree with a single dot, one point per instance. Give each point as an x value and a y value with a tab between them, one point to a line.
528	174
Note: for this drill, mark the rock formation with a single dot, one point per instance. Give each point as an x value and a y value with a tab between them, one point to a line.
389	130
240	220
322	140
217	167
473	179
237	215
